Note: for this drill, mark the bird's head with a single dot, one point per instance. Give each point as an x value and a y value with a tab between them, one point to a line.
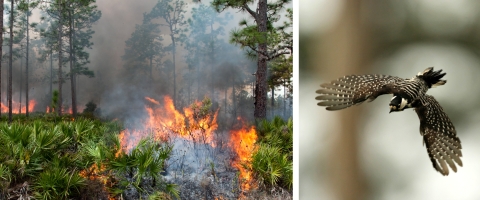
397	104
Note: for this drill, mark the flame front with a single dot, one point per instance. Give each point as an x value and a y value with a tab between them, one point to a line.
164	122
242	142
96	173
18	107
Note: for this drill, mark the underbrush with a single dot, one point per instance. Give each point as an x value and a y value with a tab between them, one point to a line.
272	162
50	157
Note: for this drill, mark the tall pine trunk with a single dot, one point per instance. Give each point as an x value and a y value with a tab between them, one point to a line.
273	101
26	67
284	98
212	60
234	100
174	75
60	51
1	53
72	70
21	88
51	80
10	60
225	101
151	69
261	75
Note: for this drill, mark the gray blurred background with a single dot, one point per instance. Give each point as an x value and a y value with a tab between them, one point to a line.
364	152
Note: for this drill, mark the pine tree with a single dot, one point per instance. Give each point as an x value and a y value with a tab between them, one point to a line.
144	49
256	38
172	12
204	45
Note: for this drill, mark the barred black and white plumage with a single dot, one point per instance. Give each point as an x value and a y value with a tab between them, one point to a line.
439	135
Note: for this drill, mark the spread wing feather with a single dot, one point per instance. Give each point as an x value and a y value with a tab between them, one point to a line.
439	135
354	89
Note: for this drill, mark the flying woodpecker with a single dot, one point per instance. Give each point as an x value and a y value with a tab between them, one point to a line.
439	135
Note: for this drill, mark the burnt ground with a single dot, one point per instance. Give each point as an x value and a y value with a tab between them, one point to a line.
205	172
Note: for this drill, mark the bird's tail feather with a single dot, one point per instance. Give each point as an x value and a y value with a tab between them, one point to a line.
433	78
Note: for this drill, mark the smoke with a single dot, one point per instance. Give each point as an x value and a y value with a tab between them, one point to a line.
224	74
120	92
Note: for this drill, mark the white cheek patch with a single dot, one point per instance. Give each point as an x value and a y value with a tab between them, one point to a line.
403	104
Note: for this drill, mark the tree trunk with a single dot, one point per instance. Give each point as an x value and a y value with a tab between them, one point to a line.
174	75
74	66
272	101
21	88
212	63
226	88
51	80
60	51
72	70
10	60
198	81
234	100
284	98
26	67
1	52
261	75
151	69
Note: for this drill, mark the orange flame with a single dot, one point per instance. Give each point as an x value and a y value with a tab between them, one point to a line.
96	173
242	142
64	110
165	121
16	105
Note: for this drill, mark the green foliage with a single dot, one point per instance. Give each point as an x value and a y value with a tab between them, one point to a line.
5	178
273	161
281	72
279	39
57	183
144	49
54	103
90	110
169	191
203	110
144	162
90	107
42	152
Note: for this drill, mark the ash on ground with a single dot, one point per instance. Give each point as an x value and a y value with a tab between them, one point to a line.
202	171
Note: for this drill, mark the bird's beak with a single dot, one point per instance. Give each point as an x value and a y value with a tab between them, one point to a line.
391	109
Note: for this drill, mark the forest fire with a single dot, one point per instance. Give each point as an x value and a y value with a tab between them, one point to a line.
164	122
18	107
64	110
96	173
192	132
242	141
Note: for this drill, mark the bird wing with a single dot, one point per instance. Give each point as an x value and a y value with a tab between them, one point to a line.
354	89
439	135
